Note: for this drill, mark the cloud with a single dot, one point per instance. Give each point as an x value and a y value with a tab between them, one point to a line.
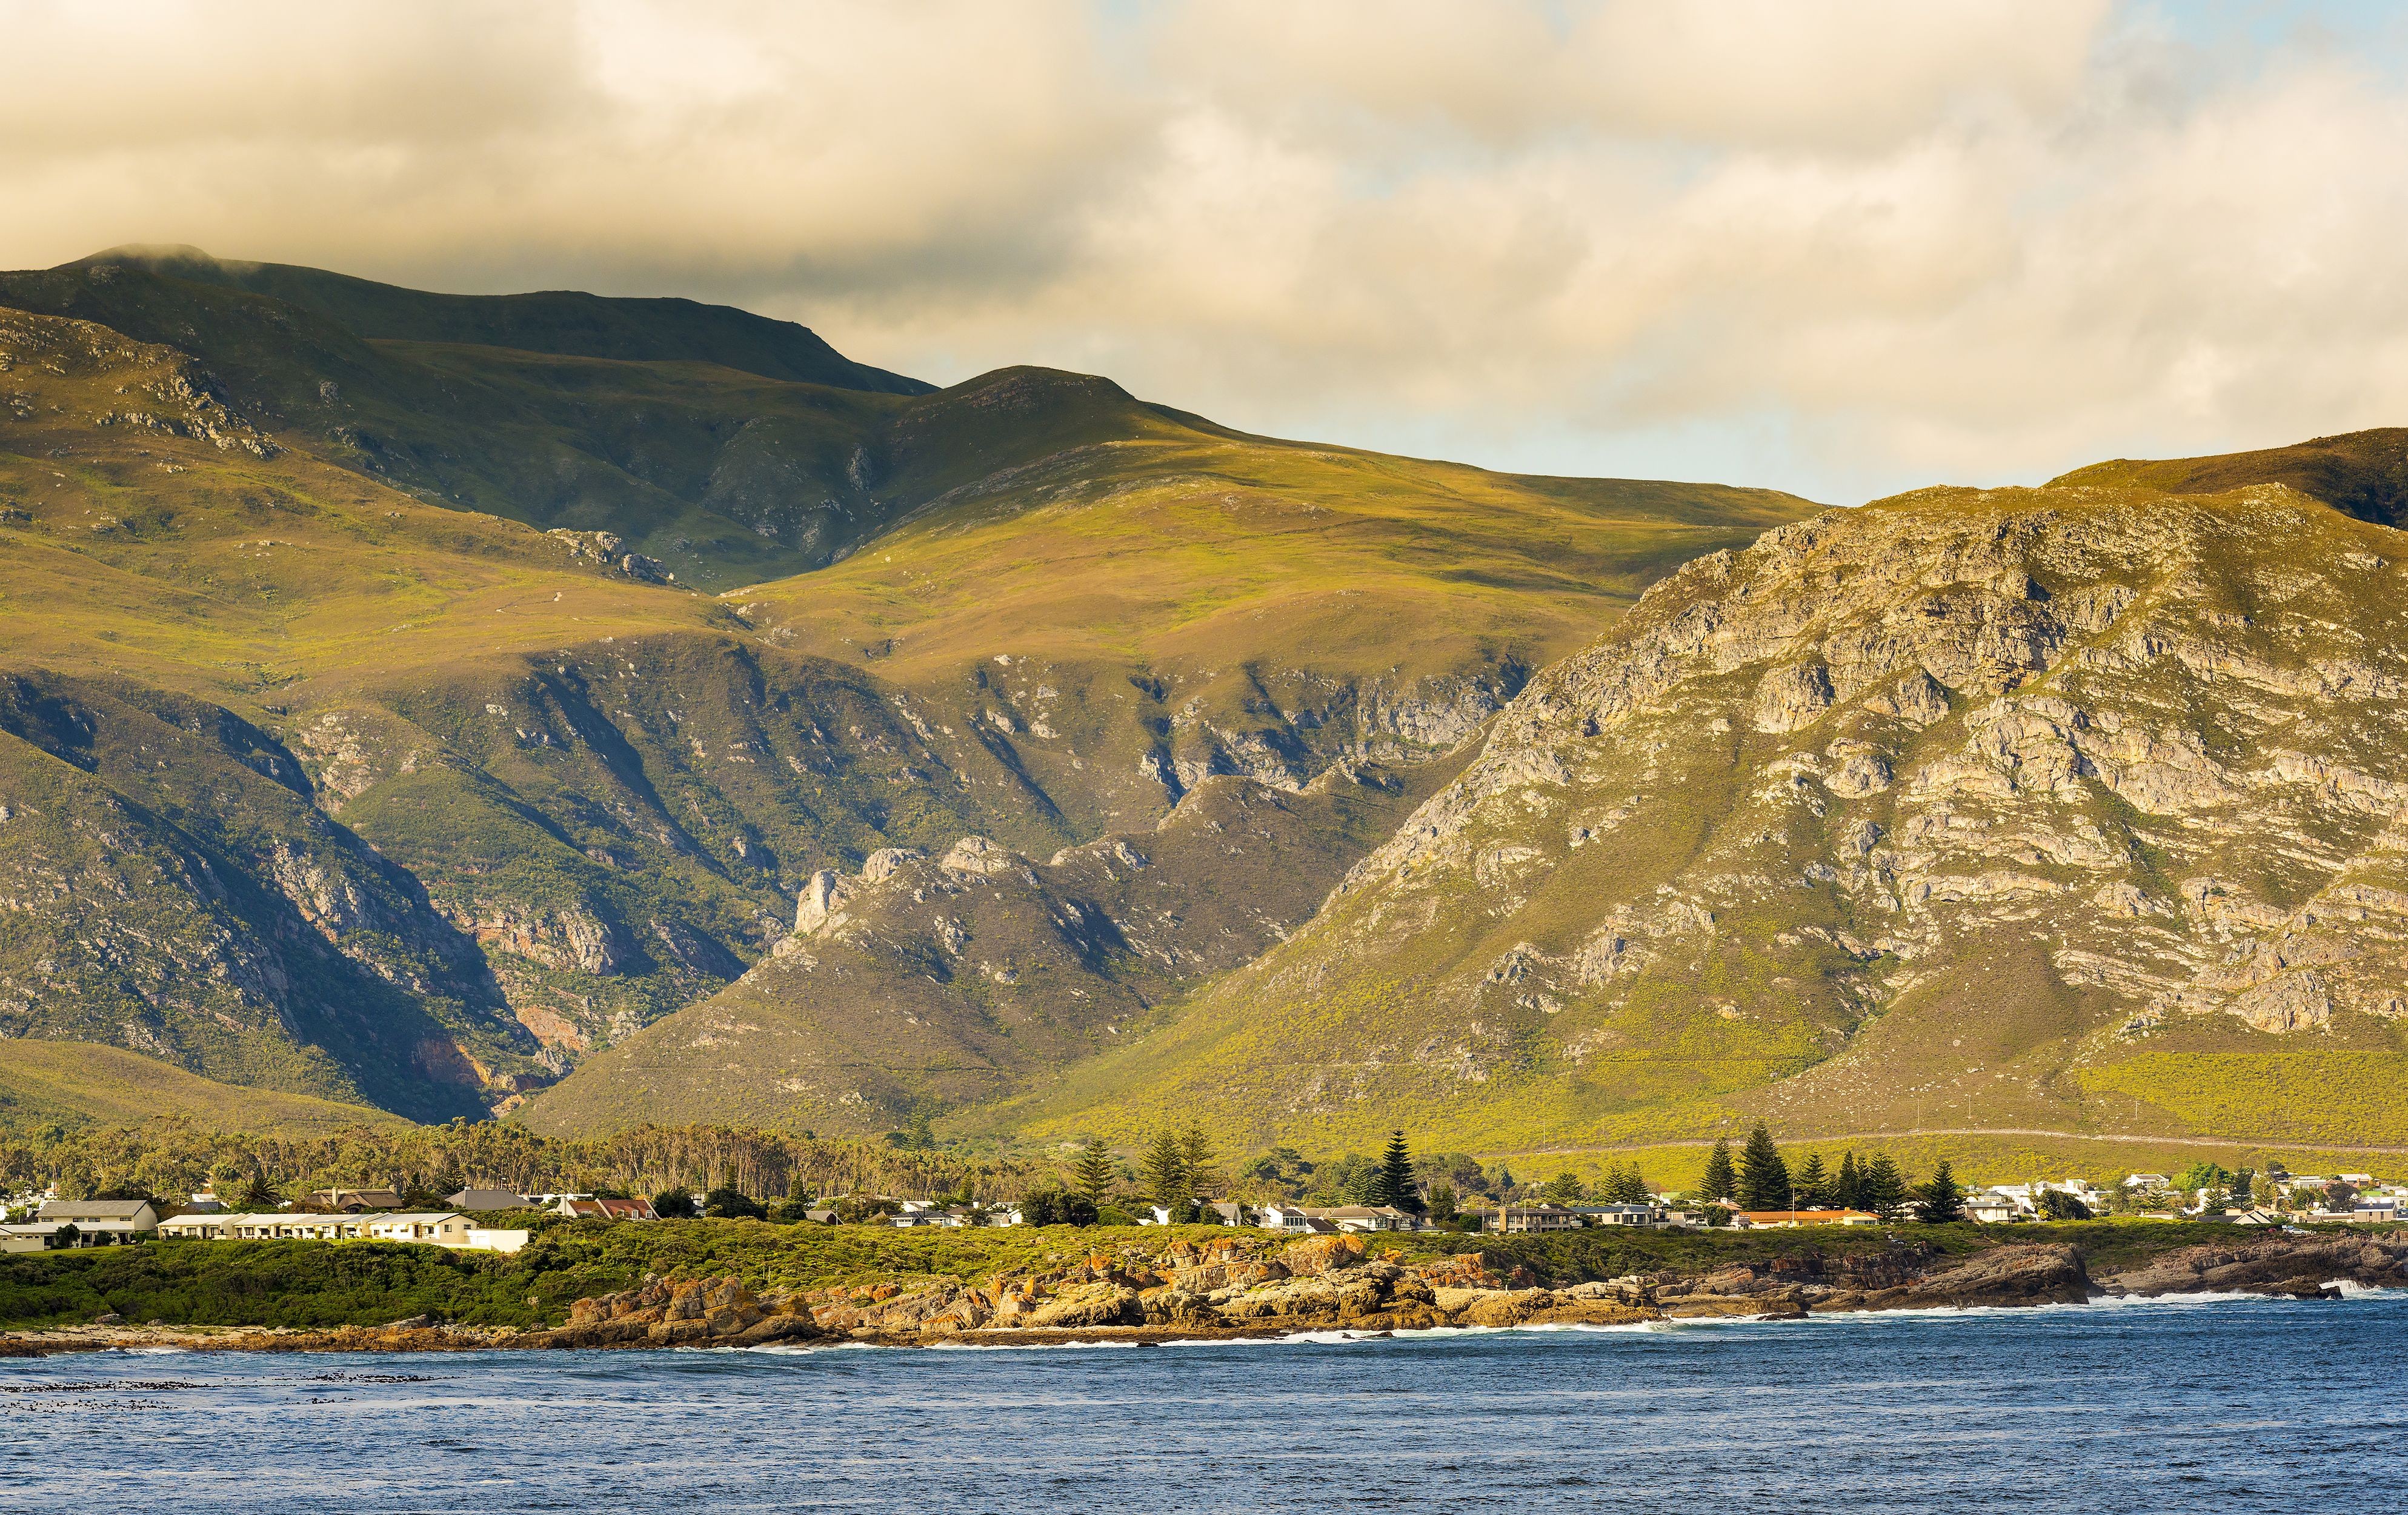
1843	248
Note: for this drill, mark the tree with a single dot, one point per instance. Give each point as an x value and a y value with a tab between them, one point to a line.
1813	1185
1093	1174
1203	1164
1442	1201
1623	1186
1763	1177
1720	1182
1940	1199
1884	1187
1397	1186
1565	1188
2057	1205
674	1204
1848	1189
1165	1170
1042	1206
2243	1184
725	1204
1077	1209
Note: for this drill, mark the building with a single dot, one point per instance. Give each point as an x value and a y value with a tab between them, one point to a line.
480	1200
1368	1218
270	1225
603	1209
1783	1219
100	1223
440	1228
1524	1218
351	1201
1643	1216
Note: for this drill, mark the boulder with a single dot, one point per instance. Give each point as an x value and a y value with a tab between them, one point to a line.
1317	1255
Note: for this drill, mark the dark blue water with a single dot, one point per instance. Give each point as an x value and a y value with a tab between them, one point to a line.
2232	1405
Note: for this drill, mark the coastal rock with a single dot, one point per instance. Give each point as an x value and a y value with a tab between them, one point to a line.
2003	1276
2299	1267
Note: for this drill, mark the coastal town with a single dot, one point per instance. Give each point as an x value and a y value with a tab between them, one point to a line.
1755	1190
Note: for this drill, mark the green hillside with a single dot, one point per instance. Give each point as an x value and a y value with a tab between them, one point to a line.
316	781
76	1083
2069	810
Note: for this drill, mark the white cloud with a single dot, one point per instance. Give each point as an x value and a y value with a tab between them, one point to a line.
1843	248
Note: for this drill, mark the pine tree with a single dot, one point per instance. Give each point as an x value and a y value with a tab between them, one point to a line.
1941	1200
1848	1189
1397	1186
1203	1164
1165	1170
1093	1174
1814	1185
1720	1182
1884	1187
1763	1177
1625	1186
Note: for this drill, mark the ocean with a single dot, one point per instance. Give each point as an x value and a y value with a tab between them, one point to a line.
2224	1404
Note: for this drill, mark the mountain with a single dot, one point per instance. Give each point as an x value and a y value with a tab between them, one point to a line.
313	780
2073	808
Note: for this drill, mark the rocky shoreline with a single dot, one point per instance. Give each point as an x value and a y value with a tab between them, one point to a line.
1244	1287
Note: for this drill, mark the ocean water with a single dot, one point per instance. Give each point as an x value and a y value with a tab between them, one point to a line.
2221	1404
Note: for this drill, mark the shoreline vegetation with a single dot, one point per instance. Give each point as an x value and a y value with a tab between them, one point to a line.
747	1283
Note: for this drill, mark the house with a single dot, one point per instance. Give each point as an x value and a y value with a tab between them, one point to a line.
1284	1217
101	1223
1207	1212
1525	1218
35	1237
1368	1218
1785	1218
1993	1209
444	1228
351	1201
1644	1216
441	1228
2149	1182
926	1215
274	1225
581	1208
477	1200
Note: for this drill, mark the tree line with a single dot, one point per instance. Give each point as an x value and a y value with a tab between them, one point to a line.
1761	1179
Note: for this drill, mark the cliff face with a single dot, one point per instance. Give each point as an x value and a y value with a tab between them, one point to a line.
2074	809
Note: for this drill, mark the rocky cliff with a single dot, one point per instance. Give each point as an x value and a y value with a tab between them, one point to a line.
2076	808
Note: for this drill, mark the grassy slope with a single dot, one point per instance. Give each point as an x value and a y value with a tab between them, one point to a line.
76	1083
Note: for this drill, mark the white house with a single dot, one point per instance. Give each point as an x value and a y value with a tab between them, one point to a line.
1368	1218
440	1228
100	1223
